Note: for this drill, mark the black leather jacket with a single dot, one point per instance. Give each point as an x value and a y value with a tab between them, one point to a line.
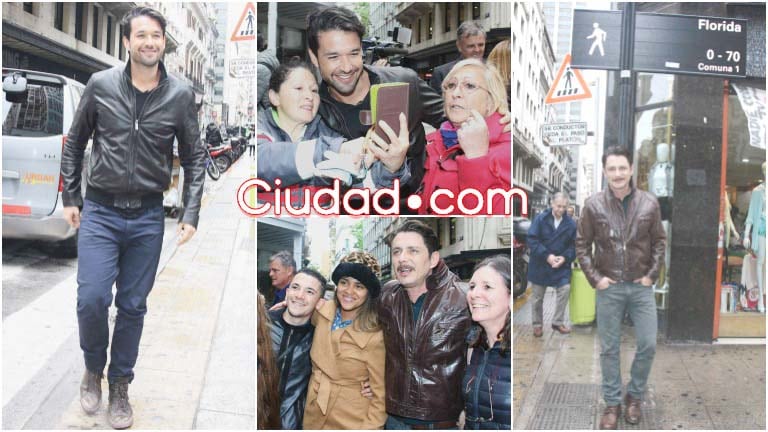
424	105
425	359
487	389
132	152
291	345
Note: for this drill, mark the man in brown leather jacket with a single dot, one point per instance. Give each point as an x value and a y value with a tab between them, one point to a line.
623	224
425	319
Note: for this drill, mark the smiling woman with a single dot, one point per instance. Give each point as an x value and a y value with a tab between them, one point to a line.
347	351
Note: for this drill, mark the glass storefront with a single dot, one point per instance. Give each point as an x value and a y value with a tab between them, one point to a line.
742	294
654	154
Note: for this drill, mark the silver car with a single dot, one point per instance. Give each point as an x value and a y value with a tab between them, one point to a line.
38	109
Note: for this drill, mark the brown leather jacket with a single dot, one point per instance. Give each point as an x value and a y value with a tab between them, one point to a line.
626	247
426	358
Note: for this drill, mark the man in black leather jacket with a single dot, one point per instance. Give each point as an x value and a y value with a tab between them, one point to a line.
292	334
133	112
334	37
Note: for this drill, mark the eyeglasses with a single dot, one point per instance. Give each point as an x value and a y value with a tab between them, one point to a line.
467	86
490	398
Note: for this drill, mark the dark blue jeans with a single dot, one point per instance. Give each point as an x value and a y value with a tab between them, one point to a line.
114	249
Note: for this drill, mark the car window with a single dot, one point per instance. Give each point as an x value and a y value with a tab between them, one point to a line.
77	93
40	115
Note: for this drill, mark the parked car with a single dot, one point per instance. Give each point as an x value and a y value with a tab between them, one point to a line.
38	109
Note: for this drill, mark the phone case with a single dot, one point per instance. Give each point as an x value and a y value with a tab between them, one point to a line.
387	102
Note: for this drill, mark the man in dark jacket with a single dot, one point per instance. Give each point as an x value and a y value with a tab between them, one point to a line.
292	334
133	113
470	42
425	319
334	38
551	240
623	225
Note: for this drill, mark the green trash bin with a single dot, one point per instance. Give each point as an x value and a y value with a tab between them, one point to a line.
582	300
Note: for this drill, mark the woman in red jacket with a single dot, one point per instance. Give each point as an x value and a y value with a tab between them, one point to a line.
470	150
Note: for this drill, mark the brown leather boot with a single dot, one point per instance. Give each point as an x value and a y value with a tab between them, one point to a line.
120	413
632	413
610	418
90	391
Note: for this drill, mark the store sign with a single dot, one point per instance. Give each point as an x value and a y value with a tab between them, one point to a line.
564	134
596	39
244	67
753	103
690	45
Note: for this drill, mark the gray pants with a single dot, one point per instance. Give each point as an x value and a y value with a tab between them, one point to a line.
537	296
612	302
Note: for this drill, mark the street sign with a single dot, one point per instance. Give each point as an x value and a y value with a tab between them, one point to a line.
690	45
596	39
244	67
568	86
564	134
245	30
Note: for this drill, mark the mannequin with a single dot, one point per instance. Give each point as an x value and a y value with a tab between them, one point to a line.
755	225
662	176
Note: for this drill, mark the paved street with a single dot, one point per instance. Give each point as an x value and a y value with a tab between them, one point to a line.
557	380
184	375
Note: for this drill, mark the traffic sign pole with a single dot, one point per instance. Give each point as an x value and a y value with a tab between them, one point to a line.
626	80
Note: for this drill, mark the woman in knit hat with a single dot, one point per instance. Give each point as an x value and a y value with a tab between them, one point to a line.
348	351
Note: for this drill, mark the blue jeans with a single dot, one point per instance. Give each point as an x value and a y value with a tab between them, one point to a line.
394	423
639	301
113	249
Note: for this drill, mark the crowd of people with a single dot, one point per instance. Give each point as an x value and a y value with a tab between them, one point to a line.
313	132
412	353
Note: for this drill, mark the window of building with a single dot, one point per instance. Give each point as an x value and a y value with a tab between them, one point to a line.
110	38
452	231
58	19
447	18
462	15
80	21
95	38
28	7
429	25
121	48
475	10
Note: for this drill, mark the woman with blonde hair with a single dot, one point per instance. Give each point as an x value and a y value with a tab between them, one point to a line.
471	149
347	351
501	58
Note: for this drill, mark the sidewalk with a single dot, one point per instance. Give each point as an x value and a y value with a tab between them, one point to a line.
194	369
557	380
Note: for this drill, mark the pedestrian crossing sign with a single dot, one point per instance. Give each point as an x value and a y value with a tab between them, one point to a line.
245	30
569	85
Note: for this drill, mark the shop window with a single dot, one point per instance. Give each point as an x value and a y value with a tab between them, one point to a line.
743	264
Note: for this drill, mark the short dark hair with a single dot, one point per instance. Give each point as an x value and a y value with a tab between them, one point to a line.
315	274
285	258
280	75
141	11
425	231
331	18
617	150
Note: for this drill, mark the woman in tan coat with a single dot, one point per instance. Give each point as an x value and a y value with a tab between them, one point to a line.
348	350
